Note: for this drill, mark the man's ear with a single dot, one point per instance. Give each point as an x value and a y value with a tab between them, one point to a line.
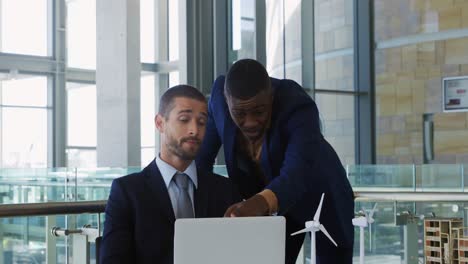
159	122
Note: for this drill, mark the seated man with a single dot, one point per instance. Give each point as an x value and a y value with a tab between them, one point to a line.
142	207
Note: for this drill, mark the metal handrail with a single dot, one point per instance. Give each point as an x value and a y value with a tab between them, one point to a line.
63	208
52	208
373	196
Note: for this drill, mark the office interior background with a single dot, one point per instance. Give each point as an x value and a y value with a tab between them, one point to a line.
80	80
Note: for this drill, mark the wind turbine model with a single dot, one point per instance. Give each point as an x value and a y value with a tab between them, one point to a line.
362	222
312	227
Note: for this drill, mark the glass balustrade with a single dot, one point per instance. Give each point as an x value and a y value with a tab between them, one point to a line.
397	234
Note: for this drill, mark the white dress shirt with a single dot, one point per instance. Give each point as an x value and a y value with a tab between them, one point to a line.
168	172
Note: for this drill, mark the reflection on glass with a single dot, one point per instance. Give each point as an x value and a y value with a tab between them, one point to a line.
242	30
442	177
13	92
24	137
82	115
173	30
81	158
147	25
23	27
382	177
337	123
81	34
274	38
334	68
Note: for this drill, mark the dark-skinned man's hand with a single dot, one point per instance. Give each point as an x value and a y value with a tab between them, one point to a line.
256	205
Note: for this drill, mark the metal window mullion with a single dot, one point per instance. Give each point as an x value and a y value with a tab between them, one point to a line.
260	31
308	45
221	38
364	81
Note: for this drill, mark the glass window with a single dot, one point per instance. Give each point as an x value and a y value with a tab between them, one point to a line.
293	54
274	38
243	29
81	158
147	27
81	34
81	115
174	78
173	30
334	67
148	112
23	137
147	155
14	92
24	122
24	26
337	123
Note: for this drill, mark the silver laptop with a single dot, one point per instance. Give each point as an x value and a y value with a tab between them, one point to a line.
256	240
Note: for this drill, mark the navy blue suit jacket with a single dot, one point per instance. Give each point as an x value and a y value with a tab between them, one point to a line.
139	224
298	162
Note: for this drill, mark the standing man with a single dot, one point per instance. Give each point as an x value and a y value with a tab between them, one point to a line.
142	207
277	157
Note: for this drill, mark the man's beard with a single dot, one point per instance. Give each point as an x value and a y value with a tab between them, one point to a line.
176	148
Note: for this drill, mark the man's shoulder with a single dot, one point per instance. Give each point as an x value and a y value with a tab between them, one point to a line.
218	84
135	178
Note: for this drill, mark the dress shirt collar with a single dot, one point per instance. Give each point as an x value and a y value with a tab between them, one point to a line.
168	171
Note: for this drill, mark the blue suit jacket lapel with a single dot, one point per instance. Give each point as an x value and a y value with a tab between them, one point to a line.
230	136
158	188
265	158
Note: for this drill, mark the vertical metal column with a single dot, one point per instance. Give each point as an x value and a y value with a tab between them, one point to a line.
196	43
51	241
260	29
59	122
364	81
161	49
308	44
410	236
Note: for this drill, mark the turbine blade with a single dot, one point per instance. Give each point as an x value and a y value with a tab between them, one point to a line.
305	230
322	228
371	214
364	211
319	209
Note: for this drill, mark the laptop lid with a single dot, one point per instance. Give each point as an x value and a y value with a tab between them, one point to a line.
256	240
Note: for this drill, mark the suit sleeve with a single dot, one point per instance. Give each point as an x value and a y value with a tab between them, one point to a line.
299	167
117	243
212	141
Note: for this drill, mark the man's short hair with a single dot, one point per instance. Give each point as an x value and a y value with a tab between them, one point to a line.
167	99
246	78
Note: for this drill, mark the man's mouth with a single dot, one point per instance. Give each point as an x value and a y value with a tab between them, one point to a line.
191	141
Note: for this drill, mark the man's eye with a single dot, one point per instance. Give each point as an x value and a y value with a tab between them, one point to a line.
183	119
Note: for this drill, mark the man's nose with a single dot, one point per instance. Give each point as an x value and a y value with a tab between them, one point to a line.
194	128
249	121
